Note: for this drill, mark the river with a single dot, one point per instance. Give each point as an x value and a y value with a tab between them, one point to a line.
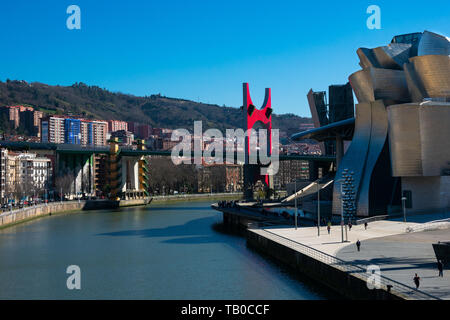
169	251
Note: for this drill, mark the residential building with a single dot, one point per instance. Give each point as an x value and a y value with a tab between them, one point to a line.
99	132
25	175
116	125
87	134
53	129
144	131
3	173
12	114
289	171
126	138
72	131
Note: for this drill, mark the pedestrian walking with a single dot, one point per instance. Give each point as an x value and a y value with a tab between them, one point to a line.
328	229
440	266
349	226
416	281
365	225
358	245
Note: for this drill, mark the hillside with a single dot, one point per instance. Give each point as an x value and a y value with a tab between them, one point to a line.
93	102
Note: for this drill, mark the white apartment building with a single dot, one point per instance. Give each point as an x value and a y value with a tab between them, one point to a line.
25	174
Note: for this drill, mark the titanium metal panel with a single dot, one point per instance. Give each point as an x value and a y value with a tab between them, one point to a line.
428	77
433	44
366	58
355	157
415	91
435	137
362	85
378	136
392	56
410	38
404	140
380	84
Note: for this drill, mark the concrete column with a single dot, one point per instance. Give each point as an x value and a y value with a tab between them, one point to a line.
135	178
123	185
79	173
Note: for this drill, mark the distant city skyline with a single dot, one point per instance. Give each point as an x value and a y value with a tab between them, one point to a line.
203	50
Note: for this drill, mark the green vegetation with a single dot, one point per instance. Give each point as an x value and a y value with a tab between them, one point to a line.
93	102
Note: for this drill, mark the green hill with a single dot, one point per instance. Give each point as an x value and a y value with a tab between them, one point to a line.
93	102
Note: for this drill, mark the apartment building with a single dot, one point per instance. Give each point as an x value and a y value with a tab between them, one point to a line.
116	125
53	130
126	138
12	114
99	132
3	176
56	129
72	131
23	174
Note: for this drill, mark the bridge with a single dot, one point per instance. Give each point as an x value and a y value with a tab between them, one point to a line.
64	148
122	168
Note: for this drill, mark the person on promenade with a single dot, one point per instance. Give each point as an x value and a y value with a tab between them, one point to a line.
358	245
349	226
440	266
328	229
365	225
416	281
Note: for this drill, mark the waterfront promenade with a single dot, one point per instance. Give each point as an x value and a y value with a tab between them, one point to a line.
24	214
386	244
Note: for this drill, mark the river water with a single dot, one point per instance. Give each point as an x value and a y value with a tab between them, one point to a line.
156	252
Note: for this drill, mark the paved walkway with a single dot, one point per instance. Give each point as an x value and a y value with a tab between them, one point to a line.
386	244
332	243
401	256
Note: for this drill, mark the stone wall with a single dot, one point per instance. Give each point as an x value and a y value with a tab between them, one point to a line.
7	218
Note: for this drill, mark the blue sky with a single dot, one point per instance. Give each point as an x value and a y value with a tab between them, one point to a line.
203	50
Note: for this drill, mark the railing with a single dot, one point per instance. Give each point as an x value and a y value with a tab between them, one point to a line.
28	210
197	195
371	219
348	267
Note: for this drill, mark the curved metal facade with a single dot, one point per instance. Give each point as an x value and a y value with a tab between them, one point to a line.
404	140
374	84
432	43
435	138
362	157
392	56
409	139
355	157
378	134
419	139
428	77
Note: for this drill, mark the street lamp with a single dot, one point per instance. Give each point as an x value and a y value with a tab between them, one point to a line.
404	208
295	199
318	208
342	209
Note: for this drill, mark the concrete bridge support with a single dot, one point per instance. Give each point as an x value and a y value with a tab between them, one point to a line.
78	168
